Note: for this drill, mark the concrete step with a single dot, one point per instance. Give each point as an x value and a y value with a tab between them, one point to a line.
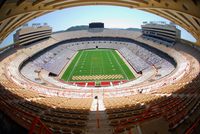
104	127
100	131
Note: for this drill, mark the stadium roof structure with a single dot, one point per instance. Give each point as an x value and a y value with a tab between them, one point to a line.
14	13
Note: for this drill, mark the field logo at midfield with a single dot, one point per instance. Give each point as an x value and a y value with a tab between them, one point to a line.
98	77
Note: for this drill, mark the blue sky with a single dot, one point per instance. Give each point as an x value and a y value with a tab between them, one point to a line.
112	16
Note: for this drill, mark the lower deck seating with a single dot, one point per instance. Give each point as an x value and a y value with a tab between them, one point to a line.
177	103
60	115
135	61
126	111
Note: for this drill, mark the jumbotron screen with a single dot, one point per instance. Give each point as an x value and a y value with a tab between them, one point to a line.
96	25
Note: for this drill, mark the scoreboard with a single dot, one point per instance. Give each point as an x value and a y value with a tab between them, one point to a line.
96	25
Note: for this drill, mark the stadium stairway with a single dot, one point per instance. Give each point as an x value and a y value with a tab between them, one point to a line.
98	123
98	119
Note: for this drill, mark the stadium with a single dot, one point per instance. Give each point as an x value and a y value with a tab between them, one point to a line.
101	80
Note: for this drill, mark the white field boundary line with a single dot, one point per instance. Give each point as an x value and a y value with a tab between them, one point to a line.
120	66
66	66
91	68
75	65
84	59
129	66
101	64
103	72
108	56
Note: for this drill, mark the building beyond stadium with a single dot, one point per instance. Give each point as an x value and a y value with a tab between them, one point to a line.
30	34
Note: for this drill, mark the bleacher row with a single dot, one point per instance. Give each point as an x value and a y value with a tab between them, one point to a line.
60	115
136	62
105	33
67	115
92	44
147	59
54	59
127	48
178	109
71	116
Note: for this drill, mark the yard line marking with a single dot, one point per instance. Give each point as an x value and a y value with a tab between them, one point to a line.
84	59
109	56
75	65
98	67
119	64
102	63
90	66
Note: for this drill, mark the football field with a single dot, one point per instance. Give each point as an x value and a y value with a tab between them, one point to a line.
97	65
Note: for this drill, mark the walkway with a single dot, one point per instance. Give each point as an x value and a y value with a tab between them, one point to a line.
98	120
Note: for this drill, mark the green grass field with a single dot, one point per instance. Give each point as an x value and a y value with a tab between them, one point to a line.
97	65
